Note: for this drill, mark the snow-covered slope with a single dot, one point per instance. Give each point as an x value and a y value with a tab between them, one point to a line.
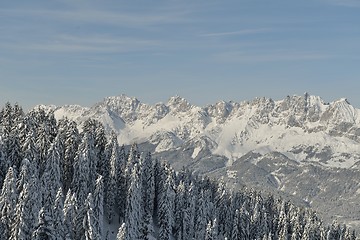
303	128
299	147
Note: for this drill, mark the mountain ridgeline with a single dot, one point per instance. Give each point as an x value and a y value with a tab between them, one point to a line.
300	147
59	182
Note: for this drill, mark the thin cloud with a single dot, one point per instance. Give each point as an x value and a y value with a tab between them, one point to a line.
345	3
91	44
240	32
101	17
242	57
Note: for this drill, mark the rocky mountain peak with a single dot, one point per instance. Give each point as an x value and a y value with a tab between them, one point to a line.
178	104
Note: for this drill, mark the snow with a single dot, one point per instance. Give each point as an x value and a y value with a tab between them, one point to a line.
231	174
196	152
259	126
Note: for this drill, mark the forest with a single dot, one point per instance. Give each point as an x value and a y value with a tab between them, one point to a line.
62	181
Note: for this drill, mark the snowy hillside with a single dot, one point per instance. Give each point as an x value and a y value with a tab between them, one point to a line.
60	183
301	131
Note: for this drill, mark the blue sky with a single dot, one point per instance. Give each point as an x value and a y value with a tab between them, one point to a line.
80	51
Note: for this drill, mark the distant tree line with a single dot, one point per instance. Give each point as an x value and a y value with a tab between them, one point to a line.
61	183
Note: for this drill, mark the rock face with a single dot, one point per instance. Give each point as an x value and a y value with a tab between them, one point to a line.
299	147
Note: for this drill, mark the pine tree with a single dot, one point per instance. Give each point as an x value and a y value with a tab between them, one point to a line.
59	224
45	228
30	149
46	133
212	230
134	213
180	211
190	210
27	210
8	200
114	186
166	204
235	234
89	132
69	214
148	194
50	180
201	213
79	222
99	204
91	221
244	223
72	141
80	184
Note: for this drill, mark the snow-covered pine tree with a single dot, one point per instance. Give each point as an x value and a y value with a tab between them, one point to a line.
99	204
13	149
90	131
235	233
166	203
79	222
69	215
27	171
212	230
222	200
10	137
80	184
113	189
201	215
133	158
180	216
244	223
50	180
58	216
45	227
30	150
46	132
27	210
100	146
8	200
4	164
134	213
148	194
72	141
91	221
192	196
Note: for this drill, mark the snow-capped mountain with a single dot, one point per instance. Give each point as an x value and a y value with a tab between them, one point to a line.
263	143
304	128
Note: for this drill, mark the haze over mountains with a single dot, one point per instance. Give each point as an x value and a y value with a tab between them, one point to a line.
299	147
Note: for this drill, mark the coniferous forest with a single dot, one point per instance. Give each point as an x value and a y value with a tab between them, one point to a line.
63	181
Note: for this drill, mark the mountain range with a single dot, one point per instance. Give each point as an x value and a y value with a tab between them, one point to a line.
300	147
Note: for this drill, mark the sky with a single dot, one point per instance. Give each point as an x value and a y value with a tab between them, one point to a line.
80	51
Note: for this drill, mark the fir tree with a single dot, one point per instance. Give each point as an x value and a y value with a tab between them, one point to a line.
235	234
59	224
69	215
148	194
201	213
50	180
91	221
45	228
166	204
8	200
99	204
80	184
134	214
72	141
27	210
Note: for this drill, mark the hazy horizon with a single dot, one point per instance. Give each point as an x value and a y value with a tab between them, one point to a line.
78	52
